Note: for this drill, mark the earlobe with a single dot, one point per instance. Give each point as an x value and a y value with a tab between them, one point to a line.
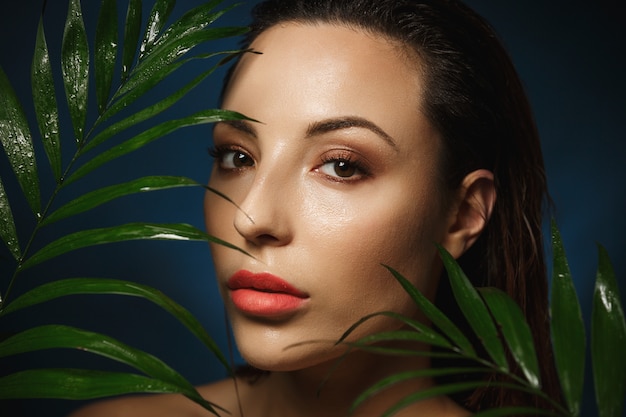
475	201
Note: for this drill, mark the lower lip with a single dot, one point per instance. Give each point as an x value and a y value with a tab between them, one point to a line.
265	304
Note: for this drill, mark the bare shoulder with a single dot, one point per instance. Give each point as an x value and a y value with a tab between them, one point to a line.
220	393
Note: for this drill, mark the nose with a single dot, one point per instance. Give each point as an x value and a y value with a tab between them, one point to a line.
263	217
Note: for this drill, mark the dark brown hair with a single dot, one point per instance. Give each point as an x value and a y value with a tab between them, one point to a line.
476	101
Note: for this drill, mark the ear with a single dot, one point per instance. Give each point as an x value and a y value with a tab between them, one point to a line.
470	212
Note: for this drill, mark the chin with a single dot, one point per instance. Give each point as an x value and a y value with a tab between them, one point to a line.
289	358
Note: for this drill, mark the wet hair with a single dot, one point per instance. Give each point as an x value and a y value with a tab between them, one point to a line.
475	99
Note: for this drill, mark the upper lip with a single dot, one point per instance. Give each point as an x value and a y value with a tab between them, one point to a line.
264	282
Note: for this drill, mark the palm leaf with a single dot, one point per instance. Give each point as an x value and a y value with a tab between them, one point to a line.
146	113
18	144
149	135
158	16
435	315
57	336
132	30
105	51
76	286
104	195
474	310
121	233
75	67
79	384
395	379
516	332
568	331
8	233
608	341
430	336
44	100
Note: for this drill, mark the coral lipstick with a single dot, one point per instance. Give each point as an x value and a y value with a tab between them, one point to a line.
264	294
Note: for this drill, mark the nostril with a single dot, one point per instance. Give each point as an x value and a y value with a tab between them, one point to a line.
267	239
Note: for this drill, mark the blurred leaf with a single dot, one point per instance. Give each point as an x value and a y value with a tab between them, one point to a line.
158	16
144	114
78	384
435	315
75	286
105	51
568	331
474	310
75	67
58	336
132	30
608	341
121	233
44	99
104	195
18	144
142	139
7	225
516	332
392	380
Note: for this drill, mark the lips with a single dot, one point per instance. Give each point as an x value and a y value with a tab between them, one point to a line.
264	294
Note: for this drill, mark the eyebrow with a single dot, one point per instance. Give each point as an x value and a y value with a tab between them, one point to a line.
322	127
329	125
240	125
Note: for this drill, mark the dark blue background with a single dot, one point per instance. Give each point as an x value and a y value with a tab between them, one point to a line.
570	55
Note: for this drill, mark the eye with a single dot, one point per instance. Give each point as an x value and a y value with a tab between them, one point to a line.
339	168
343	166
231	158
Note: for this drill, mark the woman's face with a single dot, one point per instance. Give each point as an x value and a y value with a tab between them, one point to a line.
339	176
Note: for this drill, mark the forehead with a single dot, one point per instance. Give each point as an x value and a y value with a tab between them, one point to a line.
317	71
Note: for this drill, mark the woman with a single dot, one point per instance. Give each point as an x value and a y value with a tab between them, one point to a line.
385	126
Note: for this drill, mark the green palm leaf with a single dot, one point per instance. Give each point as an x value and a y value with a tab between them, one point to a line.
430	336
106	194
474	310
156	132
158	16
132	30
79	384
44	100
435	315
515	330
159	64
149	111
76	286
105	51
75	67
121	233
18	144
568	331
8	233
608	341
57	336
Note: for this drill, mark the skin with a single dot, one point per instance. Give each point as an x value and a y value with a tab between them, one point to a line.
340	176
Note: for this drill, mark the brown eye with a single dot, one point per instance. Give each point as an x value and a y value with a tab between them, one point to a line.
344	169
235	159
240	160
340	168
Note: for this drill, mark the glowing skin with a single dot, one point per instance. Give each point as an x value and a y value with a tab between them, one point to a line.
349	97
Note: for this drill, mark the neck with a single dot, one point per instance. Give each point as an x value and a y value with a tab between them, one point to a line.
330	389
